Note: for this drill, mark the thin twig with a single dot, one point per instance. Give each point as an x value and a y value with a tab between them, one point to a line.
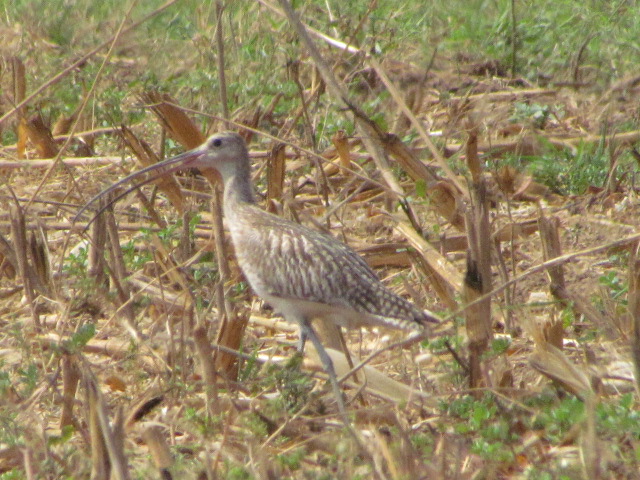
222	80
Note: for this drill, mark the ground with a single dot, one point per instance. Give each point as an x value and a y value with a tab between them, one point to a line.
107	333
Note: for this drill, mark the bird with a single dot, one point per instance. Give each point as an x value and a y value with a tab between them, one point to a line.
302	273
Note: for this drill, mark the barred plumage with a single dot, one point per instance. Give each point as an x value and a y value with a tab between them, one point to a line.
286	262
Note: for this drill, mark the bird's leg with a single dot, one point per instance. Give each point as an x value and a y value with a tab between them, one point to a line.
307	331
327	363
302	340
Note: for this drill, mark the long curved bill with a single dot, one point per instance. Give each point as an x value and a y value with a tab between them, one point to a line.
161	169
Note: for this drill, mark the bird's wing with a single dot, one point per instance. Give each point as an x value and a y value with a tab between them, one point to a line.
304	264
289	261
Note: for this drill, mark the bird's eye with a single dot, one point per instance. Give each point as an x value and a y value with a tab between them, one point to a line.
217	142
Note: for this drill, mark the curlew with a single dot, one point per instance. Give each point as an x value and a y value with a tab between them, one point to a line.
302	273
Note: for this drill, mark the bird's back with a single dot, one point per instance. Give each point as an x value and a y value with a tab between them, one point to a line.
304	272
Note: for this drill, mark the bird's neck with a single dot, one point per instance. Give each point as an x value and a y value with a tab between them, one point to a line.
237	191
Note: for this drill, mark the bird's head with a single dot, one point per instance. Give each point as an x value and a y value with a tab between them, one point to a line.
224	152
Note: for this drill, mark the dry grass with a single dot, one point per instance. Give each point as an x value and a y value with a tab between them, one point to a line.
108	336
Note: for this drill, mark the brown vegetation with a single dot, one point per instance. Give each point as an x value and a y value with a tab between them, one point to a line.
181	364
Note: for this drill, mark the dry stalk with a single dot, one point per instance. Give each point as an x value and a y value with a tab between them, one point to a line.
8	259
96	255
276	172
247	124
174	119
39	251
208	365
554	364
183	129
39	135
168	266
478	276
116	452
13	457
268	112
20	248
154	437
201	232
445	277
590	445
232	326
23	137
185	247
117	266
222	80
100	466
331	336
634	310
107	443
70	380
18	84
230	336
569	298
551	248
408	161
68	162
341	142
294	72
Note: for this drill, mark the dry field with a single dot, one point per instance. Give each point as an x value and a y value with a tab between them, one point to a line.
495	189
